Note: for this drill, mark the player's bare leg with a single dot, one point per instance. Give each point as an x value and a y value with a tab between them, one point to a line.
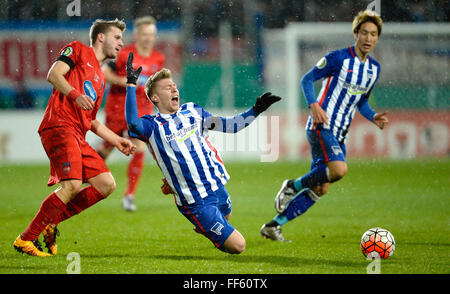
103	183
134	172
235	243
337	170
68	190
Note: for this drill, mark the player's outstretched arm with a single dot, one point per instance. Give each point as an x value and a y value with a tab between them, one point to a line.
124	145
242	120
134	122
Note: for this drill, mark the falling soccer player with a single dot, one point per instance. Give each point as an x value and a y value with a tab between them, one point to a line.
178	139
79	84
151	61
349	76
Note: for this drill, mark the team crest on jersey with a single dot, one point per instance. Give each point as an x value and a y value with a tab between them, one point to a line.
67	52
217	228
89	90
336	150
322	63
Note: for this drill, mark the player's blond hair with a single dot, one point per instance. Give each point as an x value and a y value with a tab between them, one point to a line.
157	76
367	16
101	26
144	20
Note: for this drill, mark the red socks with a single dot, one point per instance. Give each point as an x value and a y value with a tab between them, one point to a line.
54	211
87	197
134	172
51	207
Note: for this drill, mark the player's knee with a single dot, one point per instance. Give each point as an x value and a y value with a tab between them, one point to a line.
235	244
107	187
338	172
237	247
110	186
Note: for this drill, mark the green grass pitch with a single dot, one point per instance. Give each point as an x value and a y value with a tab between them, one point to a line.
409	198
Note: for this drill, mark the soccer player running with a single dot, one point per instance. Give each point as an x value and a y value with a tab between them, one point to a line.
178	139
349	76
79	84
115	72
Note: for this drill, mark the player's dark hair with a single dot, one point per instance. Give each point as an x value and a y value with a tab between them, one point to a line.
367	16
101	26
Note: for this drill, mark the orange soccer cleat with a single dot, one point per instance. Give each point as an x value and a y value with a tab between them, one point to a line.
29	247
50	232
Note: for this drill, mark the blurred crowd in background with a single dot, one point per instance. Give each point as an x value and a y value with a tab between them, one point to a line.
198	23
208	13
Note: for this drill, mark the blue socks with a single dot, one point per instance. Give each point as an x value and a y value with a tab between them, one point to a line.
297	206
315	177
306	198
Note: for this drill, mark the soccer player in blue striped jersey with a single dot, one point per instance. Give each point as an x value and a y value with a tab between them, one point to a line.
177	137
349	76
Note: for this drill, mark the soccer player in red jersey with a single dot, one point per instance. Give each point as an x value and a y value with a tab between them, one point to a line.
151	62
79	84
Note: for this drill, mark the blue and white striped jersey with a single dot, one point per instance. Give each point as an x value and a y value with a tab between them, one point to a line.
346	86
179	143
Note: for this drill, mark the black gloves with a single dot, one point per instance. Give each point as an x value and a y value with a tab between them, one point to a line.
264	101
132	75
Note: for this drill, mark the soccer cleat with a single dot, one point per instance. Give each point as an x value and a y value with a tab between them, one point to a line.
273	233
128	203
165	188
286	193
50	232
29	247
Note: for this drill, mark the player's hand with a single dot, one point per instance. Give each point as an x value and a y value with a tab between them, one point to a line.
125	146
381	120
319	116
132	75
264	101
85	102
165	188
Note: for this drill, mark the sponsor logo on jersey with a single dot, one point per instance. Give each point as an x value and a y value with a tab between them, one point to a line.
89	90
355	89
182	134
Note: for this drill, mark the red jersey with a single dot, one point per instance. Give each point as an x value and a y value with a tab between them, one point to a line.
115	101
86	76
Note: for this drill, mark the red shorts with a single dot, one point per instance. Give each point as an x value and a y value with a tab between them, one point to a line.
71	157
